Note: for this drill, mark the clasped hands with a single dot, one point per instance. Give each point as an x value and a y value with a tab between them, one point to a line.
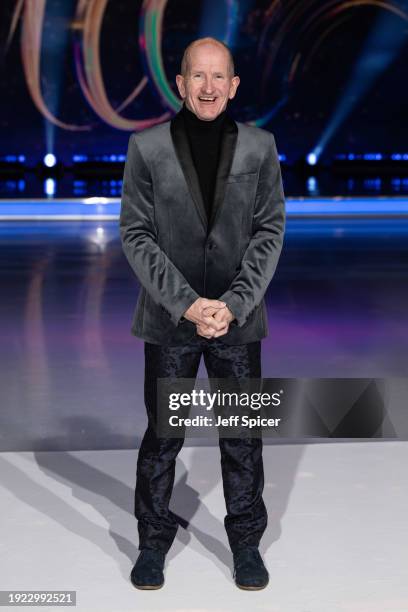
211	317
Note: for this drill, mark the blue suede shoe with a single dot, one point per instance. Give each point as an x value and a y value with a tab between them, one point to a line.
147	573
250	572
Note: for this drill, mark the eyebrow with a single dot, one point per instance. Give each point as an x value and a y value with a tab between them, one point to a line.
200	71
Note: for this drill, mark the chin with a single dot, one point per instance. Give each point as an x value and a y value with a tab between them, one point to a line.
210	113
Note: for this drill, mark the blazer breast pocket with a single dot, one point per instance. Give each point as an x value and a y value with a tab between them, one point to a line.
242	178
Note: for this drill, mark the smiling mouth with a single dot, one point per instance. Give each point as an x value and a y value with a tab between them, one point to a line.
207	99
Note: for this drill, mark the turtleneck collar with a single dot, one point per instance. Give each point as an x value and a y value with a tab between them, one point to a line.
198	123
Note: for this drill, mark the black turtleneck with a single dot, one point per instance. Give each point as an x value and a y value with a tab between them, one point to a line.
205	139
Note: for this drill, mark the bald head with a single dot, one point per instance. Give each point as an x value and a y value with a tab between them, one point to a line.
209	42
207	79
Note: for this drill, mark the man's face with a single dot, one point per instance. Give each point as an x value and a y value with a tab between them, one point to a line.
208	85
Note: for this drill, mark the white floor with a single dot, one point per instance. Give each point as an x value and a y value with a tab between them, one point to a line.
337	538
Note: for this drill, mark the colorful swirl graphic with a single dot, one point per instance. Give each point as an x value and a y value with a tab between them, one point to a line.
311	22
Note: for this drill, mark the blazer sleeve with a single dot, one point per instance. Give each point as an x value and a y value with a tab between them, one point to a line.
262	254
154	270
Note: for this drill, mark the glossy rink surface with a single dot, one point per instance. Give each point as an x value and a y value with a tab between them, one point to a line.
71	375
336	540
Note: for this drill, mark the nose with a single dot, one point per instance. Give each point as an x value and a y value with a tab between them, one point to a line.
207	86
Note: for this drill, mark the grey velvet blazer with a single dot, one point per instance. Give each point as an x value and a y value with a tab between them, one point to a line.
176	254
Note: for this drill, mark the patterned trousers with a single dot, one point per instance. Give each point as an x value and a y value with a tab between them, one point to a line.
241	459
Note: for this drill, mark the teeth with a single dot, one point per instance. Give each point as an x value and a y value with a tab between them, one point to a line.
207	99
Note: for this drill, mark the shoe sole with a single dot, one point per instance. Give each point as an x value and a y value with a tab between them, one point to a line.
251	588
147	587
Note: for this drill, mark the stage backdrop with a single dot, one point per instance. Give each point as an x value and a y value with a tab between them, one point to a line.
78	76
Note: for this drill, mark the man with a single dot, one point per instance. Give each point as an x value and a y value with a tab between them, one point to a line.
202	223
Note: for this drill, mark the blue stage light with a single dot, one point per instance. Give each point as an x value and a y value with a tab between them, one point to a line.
382	45
312	186
372	156
49	186
311	182
372	183
12	159
311	159
50	160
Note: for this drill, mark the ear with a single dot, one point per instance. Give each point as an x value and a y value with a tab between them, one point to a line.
180	85
234	86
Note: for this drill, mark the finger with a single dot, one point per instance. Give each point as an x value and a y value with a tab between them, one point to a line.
213	324
210	310
204	331
204	335
213	312
221	333
213	303
220	315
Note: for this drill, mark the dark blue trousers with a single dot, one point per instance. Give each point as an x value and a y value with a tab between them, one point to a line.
241	459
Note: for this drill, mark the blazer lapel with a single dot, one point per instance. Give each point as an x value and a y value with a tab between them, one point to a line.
227	150
182	147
